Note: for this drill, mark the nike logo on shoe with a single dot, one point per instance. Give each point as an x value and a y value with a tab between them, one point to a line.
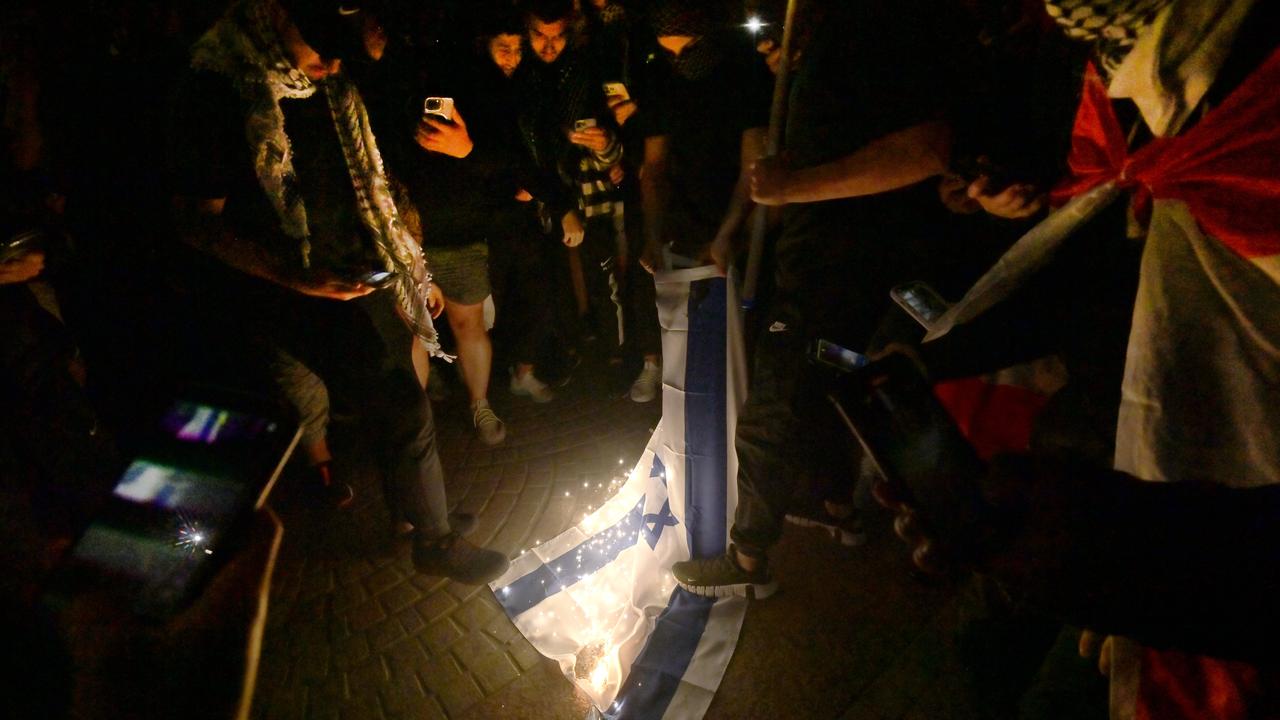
778	327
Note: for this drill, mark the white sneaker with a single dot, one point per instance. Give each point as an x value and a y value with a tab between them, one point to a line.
645	388
531	386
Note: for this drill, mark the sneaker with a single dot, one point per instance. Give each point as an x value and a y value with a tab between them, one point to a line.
326	491
461	523
457	559
847	530
490	429
531	386
722	576
645	388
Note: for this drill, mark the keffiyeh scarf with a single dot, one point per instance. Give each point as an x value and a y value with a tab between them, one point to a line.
245	48
1112	25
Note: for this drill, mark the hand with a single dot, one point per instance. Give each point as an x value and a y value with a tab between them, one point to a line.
438	136
622	108
953	191
651	257
574	230
926	553
22	268
196	659
523	195
769	180
721	252
435	300
617	174
772	52
595	139
1094	645
1018	201
333	289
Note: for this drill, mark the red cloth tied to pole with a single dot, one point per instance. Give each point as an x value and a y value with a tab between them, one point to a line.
1226	168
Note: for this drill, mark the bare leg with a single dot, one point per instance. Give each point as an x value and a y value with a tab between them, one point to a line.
475	353
317	451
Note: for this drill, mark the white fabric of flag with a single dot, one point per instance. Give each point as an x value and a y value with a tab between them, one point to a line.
600	598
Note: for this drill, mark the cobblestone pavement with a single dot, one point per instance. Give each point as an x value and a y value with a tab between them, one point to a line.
355	633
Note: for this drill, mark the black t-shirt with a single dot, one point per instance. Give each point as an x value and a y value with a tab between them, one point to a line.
870	68
703	114
209	157
459	200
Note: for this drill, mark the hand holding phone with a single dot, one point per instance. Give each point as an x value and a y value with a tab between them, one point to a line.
440	107
181	508
890	409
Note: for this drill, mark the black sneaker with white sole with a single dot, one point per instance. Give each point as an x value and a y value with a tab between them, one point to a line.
722	576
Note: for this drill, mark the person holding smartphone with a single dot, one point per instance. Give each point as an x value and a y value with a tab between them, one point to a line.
279	184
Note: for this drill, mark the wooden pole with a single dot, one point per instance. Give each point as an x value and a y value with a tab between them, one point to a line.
773	144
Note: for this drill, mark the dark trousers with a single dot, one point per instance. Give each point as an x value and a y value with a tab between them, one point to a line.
361	350
643	336
787	426
232	326
525	304
599	251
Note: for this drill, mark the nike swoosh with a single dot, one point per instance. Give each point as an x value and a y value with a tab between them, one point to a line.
778	327
347	11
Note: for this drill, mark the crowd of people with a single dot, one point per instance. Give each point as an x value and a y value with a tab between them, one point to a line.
294	193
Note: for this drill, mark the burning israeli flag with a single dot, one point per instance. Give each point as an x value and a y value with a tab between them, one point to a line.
600	598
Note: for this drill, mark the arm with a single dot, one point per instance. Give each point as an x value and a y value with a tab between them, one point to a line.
1104	550
200	224
894	161
655	188
740	204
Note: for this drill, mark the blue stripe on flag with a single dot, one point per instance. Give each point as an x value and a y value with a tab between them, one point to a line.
583	560
706	484
658	669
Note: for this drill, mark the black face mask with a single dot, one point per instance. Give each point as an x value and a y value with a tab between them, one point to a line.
697	61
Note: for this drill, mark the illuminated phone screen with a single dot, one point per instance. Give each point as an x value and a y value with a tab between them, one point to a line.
927	310
169	522
199	423
839	357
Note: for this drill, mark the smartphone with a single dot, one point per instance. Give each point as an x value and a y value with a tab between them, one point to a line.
616	89
378	279
891	410
920	302
580	125
441	107
181	507
840	358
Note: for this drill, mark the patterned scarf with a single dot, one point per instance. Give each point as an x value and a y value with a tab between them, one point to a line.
245	48
1112	25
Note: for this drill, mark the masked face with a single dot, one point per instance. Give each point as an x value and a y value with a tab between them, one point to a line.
506	53
547	40
303	56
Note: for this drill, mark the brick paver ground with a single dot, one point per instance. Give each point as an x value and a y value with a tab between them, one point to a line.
355	633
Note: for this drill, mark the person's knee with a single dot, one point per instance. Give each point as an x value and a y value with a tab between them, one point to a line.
466	320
